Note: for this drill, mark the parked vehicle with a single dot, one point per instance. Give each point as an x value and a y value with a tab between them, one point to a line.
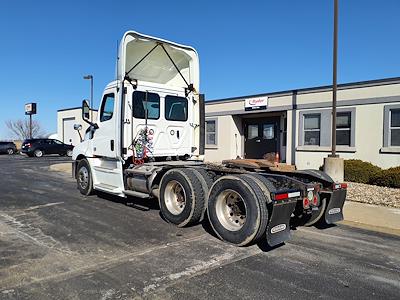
40	147
8	147
149	142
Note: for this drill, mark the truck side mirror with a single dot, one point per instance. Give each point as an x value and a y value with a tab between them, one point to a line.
85	111
77	127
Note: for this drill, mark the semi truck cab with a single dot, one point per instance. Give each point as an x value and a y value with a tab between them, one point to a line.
151	112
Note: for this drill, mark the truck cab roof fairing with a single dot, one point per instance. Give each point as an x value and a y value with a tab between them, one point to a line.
153	65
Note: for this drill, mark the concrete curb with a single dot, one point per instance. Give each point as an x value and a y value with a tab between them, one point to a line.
373	217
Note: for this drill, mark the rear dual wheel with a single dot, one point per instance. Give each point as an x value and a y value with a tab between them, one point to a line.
237	209
183	195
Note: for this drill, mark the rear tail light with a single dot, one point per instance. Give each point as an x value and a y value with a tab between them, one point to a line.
306	203
315	200
28	145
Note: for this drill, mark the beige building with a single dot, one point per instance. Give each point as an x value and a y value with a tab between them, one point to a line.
296	124
66	119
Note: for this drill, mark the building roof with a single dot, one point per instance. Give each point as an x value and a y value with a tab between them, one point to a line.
73	108
343	86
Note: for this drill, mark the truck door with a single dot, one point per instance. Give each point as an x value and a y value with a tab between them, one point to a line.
104	136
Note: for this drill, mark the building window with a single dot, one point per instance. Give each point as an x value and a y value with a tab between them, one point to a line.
394	128
343	128
391	129
312	129
315	132
211	132
107	108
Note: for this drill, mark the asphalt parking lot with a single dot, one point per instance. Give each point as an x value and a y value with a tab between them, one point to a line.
57	244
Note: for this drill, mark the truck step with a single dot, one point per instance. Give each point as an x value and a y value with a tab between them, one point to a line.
137	194
107	188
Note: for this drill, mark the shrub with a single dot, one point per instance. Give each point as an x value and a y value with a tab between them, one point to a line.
356	170
389	177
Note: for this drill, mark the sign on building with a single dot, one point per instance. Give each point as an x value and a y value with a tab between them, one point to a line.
256	103
30	109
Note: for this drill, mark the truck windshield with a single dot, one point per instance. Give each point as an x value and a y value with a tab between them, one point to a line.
139	105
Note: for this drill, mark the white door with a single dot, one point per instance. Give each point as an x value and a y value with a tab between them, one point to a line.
70	135
104	139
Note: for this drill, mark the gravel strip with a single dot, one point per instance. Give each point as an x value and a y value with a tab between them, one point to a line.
372	194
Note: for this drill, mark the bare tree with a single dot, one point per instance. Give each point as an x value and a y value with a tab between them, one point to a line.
20	129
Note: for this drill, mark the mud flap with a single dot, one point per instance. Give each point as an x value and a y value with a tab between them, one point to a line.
334	209
278	229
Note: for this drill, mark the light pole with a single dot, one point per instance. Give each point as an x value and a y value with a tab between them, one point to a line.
333	164
334	84
90	77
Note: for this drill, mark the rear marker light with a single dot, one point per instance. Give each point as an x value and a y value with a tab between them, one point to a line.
281	196
286	195
343	185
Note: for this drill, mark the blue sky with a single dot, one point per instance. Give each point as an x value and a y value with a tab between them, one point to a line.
245	47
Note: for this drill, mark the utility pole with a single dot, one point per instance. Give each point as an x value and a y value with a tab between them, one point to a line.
334	85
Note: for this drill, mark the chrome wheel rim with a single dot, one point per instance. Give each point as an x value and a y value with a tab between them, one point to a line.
38	153
69	153
175	197
231	210
83	177
10	151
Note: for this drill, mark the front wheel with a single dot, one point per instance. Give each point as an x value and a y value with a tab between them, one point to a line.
84	178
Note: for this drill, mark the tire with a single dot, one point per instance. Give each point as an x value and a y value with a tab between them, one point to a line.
69	153
207	180
182	197
10	151
84	178
38	153
207	176
237	210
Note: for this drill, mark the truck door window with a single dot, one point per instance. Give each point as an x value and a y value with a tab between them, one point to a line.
107	108
139	105
176	108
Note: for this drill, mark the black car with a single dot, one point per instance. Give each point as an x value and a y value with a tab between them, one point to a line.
40	147
8	147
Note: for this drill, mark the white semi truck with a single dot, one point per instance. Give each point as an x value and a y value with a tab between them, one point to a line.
148	142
